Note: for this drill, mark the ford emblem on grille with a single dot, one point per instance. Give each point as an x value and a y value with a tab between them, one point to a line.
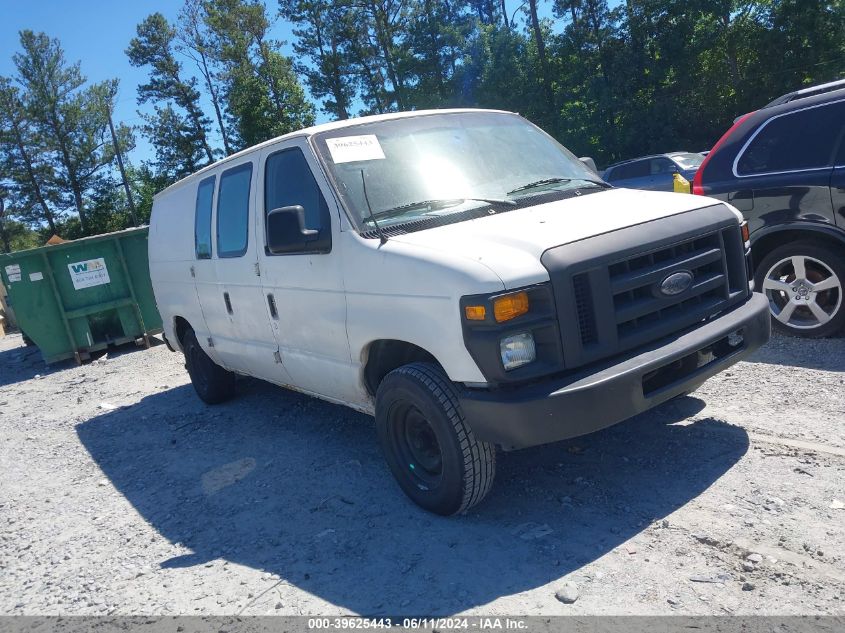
676	283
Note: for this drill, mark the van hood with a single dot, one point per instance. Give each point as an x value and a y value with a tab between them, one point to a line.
511	243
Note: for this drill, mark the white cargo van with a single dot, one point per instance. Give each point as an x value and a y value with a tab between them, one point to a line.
459	275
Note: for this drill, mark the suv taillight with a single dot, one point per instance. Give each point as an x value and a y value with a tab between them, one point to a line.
697	185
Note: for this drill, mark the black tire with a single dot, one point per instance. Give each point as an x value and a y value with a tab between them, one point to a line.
427	443
26	340
212	383
776	277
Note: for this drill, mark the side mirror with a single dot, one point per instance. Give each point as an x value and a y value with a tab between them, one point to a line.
286	232
590	163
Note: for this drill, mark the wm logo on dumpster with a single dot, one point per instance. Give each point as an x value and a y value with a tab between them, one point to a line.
90	266
89	273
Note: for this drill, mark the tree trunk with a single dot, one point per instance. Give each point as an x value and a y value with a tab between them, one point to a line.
368	75
334	74
70	168
383	38
119	156
730	52
215	101
195	115
264	51
541	53
4	234
30	172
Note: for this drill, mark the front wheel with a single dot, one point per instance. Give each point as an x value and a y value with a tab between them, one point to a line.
427	443
804	285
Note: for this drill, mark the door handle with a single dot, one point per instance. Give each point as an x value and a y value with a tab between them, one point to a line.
228	302
271	303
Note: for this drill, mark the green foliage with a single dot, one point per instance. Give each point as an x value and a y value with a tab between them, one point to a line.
154	47
611	79
263	95
324	32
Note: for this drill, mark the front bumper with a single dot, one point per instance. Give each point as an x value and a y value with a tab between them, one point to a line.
606	393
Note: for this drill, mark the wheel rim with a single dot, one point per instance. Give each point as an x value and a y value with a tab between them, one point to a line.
415	444
804	293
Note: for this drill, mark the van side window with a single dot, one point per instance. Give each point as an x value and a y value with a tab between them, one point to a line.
800	140
288	182
202	218
233	211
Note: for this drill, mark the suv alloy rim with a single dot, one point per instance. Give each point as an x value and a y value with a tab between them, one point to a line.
803	292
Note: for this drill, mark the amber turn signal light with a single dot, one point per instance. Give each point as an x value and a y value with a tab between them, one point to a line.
746	232
510	306
475	313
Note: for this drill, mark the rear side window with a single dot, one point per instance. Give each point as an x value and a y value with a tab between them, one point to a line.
288	182
800	140
637	169
233	211
202	218
661	166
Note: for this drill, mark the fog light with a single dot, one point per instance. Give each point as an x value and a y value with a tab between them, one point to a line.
735	339
517	350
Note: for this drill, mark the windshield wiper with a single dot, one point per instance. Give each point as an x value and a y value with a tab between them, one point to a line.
553	181
437	203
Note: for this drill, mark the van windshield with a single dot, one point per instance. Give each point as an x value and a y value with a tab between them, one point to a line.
426	167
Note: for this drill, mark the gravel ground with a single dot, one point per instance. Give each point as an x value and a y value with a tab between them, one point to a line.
123	494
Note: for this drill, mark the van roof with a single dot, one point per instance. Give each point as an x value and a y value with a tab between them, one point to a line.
323	127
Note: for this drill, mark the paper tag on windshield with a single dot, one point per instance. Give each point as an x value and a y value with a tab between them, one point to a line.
348	149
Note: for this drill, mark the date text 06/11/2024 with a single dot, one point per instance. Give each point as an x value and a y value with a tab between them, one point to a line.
454	623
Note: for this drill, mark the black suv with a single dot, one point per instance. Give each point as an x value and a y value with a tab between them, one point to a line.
783	167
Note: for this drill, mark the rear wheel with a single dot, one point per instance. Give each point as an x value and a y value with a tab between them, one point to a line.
804	285
212	383
427	443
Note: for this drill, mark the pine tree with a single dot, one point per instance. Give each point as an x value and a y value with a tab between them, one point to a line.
154	46
30	180
70	118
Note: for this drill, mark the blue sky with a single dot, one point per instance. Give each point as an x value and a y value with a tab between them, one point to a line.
97	32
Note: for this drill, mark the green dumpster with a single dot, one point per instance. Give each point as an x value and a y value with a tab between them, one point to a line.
82	296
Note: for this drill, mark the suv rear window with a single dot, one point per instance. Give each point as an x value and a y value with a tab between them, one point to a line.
799	140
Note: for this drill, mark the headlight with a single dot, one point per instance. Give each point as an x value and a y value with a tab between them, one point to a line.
517	350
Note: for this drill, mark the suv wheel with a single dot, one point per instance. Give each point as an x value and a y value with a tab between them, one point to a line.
804	284
428	445
212	383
